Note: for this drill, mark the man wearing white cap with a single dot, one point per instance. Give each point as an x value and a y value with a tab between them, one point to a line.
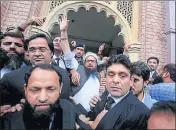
89	81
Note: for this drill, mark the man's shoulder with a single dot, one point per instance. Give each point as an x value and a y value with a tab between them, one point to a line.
138	105
148	101
66	105
160	85
65	102
80	67
60	69
15	74
20	70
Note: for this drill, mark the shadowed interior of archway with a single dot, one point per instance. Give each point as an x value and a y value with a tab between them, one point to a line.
93	28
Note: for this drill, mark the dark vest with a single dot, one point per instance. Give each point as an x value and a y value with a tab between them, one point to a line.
83	78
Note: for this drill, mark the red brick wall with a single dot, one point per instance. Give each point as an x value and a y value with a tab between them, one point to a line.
4	8
35	8
34	11
19	11
152	25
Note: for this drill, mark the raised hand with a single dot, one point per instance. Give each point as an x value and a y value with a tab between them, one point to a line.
63	22
38	21
73	43
101	48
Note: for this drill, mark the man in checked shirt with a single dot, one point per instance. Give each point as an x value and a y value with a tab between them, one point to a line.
165	91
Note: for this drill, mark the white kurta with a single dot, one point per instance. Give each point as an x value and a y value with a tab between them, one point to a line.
90	89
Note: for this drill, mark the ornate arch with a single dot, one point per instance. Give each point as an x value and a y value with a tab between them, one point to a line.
63	8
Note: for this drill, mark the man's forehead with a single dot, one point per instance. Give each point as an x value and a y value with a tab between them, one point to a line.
136	76
82	48
38	42
39	73
152	60
117	68
11	39
57	38
90	58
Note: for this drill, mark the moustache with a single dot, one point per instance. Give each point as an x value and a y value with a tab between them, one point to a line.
51	105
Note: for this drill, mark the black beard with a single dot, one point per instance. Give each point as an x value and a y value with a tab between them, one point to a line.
38	119
78	58
15	62
41	114
90	71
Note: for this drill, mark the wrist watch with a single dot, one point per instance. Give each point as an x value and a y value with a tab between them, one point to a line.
63	38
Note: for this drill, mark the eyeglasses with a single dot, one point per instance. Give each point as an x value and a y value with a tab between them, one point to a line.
40	49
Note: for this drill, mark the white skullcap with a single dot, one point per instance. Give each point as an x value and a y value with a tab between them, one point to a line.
90	54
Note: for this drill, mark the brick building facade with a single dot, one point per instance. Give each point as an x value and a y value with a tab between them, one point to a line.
16	12
152	25
148	23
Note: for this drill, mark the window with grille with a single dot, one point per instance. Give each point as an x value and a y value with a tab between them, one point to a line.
125	8
54	4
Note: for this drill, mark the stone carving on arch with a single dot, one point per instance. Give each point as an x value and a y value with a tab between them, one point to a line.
52	17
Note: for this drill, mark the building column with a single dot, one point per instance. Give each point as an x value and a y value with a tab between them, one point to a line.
170	30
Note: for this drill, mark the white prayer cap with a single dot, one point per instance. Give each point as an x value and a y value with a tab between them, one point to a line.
89	54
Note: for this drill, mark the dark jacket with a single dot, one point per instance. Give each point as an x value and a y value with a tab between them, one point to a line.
129	113
154	75
84	77
65	118
12	85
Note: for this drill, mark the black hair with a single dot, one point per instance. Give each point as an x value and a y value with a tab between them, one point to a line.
42	66
167	107
119	59
155	58
140	68
12	33
157	79
171	68
54	36
39	35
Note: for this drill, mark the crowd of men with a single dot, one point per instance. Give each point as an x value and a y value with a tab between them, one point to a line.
48	83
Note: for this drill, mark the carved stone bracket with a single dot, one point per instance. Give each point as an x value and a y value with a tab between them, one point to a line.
134	51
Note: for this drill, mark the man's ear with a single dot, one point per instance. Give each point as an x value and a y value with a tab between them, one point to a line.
61	87
146	82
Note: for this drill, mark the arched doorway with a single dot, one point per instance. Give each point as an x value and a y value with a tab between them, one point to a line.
92	23
93	29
